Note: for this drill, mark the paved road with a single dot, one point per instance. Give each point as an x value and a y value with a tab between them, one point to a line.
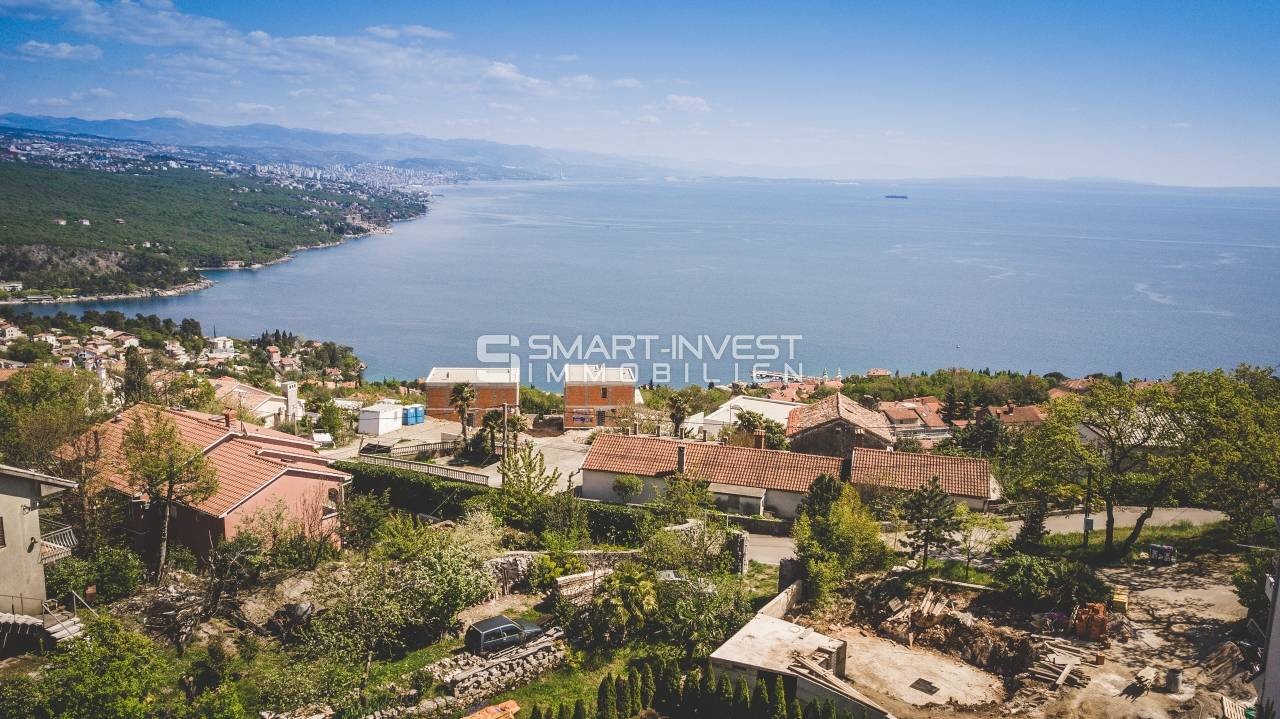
771	550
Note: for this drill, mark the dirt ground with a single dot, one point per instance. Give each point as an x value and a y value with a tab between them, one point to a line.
881	667
1182	612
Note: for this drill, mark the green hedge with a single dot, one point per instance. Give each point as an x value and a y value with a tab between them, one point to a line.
413	491
619	524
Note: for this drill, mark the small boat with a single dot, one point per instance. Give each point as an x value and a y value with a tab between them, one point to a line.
895	197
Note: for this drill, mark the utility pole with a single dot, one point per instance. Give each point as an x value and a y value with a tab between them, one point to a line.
504	429
1088	502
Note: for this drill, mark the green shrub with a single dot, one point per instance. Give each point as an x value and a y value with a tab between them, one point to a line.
117	572
1024	577
547	569
414	491
72	574
1062	583
181	557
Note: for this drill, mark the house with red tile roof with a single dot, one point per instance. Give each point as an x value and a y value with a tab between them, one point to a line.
269	408
835	425
257	469
747	480
966	479
743	480
917	417
1013	416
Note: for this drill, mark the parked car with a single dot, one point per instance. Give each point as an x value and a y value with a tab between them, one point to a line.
497	633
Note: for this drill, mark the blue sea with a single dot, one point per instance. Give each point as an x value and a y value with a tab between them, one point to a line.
1042	276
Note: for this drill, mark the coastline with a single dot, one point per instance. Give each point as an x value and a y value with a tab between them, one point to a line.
203	283
149	293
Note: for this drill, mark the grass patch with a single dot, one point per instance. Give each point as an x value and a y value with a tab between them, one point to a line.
1189	539
412	661
761	583
953	570
578	680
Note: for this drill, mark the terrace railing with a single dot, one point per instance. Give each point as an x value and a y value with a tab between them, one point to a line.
56	544
435	470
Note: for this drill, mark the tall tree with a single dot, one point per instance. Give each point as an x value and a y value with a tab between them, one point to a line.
835	535
165	469
1103	444
526	486
933	516
678	411
462	396
492	422
978	530
134	387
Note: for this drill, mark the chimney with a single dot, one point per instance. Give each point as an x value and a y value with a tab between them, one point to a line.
680	459
759	438
846	468
226	418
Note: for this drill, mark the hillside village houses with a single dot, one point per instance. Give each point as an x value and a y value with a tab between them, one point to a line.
754	480
268	408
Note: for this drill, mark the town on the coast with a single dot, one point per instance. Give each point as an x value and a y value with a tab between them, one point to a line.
303	542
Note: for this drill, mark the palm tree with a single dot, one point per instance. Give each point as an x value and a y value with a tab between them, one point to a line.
462	396
492	424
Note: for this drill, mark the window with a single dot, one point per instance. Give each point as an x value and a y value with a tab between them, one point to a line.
604	393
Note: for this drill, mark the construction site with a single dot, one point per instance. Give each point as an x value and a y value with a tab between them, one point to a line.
1171	642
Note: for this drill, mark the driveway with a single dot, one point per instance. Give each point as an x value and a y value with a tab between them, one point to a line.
770	550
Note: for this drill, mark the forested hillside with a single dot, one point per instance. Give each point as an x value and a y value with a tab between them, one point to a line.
170	221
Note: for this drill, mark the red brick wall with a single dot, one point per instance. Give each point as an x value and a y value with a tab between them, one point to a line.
582	402
487	397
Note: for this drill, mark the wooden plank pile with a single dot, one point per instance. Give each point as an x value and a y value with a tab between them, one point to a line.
1059	664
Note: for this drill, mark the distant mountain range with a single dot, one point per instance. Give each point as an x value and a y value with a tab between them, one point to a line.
481	159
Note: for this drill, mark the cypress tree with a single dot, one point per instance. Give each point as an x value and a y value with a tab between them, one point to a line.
827	710
779	696
690	694
646	688
536	713
566	711
709	704
620	693
724	694
761	705
793	709
741	699
606	703
634	705
811	711
580	710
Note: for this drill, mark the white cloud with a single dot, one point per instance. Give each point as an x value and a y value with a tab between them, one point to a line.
686	103
391	32
1180	125
504	107
49	101
628	82
582	83
648	120
254	108
59	50
741	123
567	57
99	92
381	97
510	75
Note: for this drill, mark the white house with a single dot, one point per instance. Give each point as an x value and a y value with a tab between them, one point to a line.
727	414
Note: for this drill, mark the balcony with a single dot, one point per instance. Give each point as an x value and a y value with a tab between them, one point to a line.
56	543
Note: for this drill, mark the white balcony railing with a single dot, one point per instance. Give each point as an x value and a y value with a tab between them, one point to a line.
57	544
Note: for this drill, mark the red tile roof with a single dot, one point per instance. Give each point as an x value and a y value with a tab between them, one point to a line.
1015	415
838	407
723	464
245	457
959	476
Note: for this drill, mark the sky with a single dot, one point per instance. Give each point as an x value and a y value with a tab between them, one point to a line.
1175	93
